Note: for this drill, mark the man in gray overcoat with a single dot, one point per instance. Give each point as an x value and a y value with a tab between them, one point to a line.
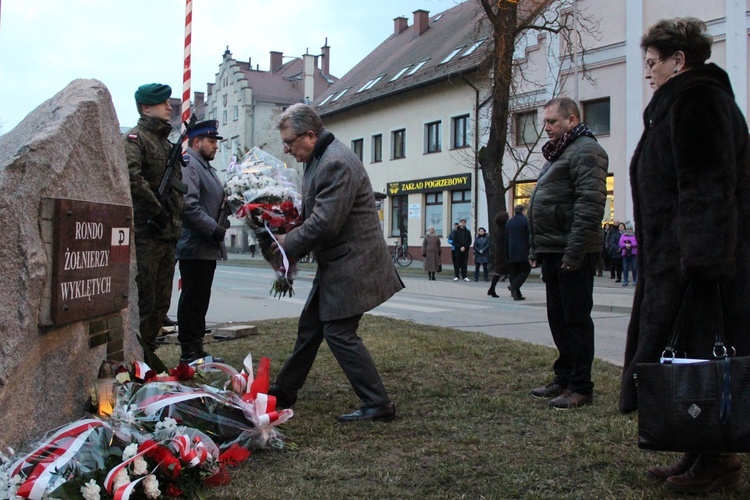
355	274
201	241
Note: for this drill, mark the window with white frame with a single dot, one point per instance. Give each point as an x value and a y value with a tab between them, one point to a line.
433	212
596	115
377	148
432	137
461	206
460	132
398	144
358	147
399	215
527	128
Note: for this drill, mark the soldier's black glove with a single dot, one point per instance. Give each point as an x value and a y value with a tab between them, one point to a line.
219	233
159	221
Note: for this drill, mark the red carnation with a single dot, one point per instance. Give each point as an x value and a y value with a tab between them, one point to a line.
234	455
171	467
183	372
221	478
145	445
173	491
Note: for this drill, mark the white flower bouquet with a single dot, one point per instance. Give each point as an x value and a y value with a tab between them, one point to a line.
264	192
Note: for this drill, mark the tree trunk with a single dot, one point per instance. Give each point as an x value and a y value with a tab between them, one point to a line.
504	35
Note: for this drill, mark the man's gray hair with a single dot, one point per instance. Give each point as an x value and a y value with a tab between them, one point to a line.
565	107
300	118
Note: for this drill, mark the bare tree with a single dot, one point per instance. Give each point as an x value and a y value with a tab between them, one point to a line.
510	20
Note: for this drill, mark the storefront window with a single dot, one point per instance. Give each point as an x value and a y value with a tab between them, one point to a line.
461	206
399	215
433	212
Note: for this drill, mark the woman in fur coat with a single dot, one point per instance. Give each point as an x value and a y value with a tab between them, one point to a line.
431	247
690	177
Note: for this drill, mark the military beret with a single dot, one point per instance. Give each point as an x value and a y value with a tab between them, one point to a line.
208	128
153	93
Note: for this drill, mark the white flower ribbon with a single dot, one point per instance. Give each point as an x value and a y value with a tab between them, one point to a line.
284	258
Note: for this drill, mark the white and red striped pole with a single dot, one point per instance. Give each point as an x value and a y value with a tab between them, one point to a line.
186	67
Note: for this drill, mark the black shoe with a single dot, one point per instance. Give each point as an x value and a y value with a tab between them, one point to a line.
385	413
492	293
198	358
283	398
167	321
519	296
551	390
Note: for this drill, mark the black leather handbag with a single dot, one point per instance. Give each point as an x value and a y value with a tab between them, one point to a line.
694	405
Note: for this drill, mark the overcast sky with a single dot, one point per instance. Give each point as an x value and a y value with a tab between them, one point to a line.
46	44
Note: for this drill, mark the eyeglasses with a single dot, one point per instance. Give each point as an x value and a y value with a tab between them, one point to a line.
649	63
288	143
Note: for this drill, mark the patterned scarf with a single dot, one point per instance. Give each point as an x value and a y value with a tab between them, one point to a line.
553	150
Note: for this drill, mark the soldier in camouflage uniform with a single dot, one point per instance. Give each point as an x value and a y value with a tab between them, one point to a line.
157	227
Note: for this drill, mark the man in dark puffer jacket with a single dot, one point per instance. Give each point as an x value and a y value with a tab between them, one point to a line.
565	215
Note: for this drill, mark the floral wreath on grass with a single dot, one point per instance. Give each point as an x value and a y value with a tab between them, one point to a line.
168	436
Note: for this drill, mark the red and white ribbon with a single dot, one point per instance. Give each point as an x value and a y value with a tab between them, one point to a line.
124	491
140	369
109	480
53	442
155	403
52	455
193	453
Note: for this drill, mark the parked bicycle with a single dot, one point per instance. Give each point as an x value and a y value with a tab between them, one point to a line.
401	256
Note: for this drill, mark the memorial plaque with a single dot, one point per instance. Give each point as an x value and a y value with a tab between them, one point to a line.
91	259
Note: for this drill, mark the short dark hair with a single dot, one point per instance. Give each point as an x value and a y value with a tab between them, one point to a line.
519	209
686	34
565	107
301	118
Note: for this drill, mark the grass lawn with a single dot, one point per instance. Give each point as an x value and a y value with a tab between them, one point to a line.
466	426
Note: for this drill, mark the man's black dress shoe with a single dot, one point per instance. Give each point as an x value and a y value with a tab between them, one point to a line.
385	413
283	398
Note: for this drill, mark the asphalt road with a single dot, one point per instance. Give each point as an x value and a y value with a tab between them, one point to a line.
241	288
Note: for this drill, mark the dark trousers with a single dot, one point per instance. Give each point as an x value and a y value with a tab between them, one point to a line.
615	268
155	261
518	272
629	264
569	304
347	347
462	262
476	271
197	277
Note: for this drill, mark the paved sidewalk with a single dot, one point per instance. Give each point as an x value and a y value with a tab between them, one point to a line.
608	295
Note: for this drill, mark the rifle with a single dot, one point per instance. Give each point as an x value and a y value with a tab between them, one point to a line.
168	181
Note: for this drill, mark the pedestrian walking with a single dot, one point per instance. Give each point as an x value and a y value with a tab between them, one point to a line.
517	244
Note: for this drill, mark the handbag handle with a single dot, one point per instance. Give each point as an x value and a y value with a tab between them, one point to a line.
719	350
